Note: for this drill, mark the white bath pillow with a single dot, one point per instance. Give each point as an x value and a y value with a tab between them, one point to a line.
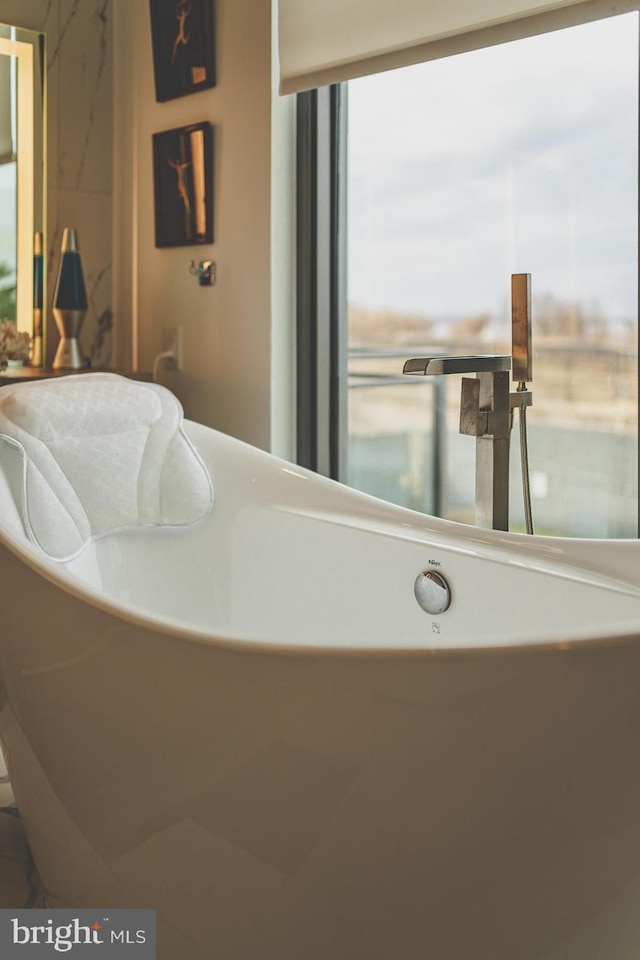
100	453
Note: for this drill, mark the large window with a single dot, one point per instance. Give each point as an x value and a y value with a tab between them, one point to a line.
518	158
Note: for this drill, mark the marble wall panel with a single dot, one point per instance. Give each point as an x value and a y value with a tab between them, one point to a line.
32	14
85	90
79	147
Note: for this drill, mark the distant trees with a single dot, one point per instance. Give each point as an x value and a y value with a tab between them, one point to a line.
567	319
554	320
7	292
371	328
471	328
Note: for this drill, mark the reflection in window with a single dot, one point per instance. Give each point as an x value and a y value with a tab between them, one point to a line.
8	238
520	158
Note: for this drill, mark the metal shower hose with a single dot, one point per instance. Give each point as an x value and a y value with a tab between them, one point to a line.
524	462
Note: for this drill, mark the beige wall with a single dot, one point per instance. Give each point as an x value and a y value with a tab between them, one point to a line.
238	335
79	137
228	335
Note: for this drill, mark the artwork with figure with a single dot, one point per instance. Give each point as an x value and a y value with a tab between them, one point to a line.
183	181
183	38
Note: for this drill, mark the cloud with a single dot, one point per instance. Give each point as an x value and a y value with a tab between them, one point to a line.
521	157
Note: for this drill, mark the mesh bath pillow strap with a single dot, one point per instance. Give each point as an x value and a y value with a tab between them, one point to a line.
100	453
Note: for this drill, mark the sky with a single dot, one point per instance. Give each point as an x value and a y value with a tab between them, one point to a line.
518	158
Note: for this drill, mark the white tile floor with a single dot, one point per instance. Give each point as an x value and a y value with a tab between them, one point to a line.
18	880
16	889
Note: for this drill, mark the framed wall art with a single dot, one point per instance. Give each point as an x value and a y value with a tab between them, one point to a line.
183	185
183	40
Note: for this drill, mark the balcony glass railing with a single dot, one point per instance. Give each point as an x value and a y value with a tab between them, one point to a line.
404	445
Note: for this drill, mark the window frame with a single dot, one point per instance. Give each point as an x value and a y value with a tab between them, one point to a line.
321	280
321	247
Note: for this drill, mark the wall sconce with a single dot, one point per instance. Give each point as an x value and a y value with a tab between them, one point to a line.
205	271
69	304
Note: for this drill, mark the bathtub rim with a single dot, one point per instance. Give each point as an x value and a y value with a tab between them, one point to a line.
500	546
621	633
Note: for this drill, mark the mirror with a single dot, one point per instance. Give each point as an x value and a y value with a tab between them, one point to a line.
22	180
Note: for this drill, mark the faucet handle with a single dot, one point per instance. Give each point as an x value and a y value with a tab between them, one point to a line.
470	414
521	327
436	366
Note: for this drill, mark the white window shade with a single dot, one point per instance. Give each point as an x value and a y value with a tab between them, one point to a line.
327	41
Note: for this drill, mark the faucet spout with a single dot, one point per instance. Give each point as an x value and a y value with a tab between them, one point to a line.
436	366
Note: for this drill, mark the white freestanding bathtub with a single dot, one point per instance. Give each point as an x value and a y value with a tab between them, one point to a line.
252	726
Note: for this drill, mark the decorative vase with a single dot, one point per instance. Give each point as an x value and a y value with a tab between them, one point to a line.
69	304
38	272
